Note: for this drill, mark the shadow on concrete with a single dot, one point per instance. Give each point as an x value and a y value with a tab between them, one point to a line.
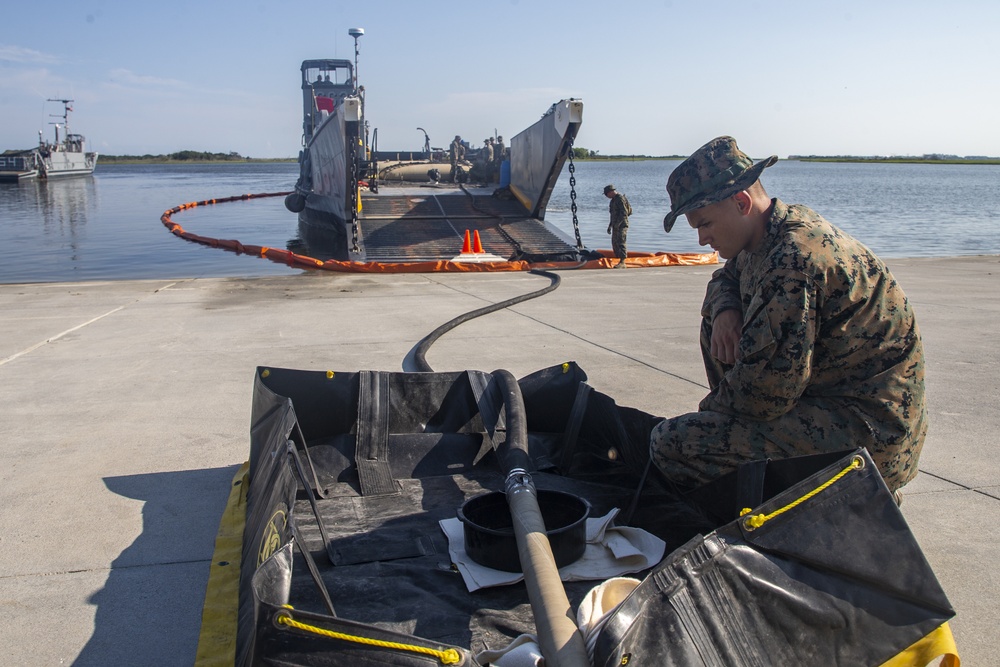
149	611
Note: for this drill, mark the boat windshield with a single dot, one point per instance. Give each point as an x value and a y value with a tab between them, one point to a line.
327	73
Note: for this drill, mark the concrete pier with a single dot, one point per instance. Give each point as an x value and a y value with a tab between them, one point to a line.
125	407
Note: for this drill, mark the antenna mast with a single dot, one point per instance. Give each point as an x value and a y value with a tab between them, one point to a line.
65	116
355	33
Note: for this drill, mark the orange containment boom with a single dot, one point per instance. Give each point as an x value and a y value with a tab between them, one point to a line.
607	260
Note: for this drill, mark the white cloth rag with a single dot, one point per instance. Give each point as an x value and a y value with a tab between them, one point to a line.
595	609
611	551
522	652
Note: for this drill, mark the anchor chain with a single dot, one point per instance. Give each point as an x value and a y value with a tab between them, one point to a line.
353	197
572	196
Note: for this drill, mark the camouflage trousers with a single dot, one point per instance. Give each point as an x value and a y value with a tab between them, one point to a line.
695	448
618	235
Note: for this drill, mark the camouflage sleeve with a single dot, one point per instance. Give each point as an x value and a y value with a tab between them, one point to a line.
775	350
723	292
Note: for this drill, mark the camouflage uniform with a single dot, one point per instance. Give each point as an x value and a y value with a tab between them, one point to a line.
481	171
499	151
620	209
456	153
830	358
486	155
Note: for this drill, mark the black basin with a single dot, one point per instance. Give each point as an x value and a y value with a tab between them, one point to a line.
489	530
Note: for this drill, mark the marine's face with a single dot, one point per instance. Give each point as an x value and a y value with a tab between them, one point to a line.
722	226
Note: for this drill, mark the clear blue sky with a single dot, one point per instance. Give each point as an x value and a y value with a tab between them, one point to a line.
869	77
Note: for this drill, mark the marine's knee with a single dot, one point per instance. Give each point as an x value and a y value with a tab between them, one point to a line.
675	445
663	433
691	434
674	437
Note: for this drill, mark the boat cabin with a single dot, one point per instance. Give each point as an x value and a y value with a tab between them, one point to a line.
325	83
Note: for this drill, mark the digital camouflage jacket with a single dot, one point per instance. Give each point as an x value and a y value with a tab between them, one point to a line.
822	317
620	210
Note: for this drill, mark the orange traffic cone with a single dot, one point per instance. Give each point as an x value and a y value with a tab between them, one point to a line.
477	245
467	246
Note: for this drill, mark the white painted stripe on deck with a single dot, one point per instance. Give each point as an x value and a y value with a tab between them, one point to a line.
57	336
71	330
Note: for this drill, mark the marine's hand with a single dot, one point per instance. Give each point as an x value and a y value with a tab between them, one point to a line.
726	329
609	229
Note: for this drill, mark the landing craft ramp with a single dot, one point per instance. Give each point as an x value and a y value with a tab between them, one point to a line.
421	224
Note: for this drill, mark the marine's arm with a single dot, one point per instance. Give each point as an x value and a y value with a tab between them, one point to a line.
774	355
723	307
726	331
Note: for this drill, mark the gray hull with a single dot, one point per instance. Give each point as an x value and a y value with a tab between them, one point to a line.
61	163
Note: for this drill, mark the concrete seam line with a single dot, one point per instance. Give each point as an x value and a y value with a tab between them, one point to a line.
57	336
611	350
79	326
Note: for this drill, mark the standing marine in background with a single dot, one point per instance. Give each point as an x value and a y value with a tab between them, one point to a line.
499	155
620	210
482	169
486	156
499	151
456	153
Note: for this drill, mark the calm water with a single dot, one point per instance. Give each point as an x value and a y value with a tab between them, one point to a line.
107	226
897	210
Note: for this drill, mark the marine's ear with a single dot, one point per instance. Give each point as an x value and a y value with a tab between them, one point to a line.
744	202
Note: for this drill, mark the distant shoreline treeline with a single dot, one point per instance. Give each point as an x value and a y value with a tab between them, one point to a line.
898	159
579	153
187	156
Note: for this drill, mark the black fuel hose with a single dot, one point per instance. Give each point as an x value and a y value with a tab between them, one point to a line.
420	351
559	638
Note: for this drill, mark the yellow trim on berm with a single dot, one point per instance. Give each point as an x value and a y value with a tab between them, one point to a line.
938	644
217	641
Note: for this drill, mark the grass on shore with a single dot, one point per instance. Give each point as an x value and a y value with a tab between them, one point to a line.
901	160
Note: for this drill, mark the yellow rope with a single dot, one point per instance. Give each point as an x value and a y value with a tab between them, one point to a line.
757	520
447	657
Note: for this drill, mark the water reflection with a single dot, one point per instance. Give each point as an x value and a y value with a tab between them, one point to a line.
107	226
66	204
62	205
49	216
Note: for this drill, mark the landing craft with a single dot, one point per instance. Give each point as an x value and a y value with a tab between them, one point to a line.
368	205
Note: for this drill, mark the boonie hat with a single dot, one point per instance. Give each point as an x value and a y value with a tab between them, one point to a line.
717	170
608	188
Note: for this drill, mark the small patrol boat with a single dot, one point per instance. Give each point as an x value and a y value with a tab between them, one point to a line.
353	201
65	156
